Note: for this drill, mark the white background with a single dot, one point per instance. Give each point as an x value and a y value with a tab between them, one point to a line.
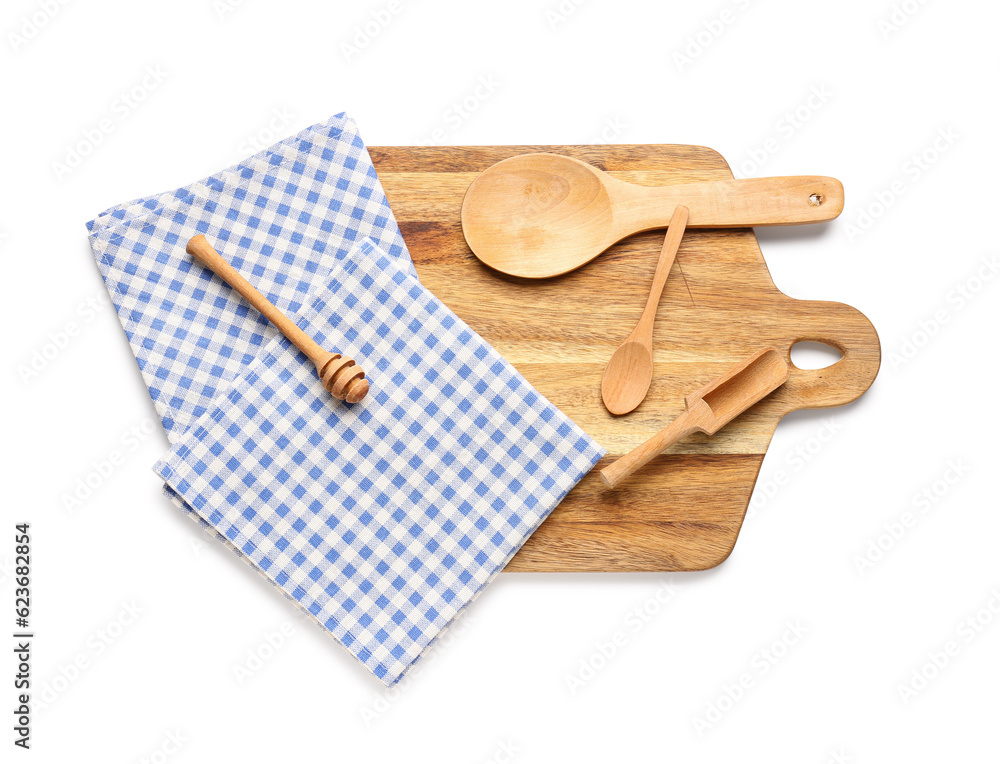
499	690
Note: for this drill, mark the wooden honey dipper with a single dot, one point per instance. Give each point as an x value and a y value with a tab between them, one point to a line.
342	377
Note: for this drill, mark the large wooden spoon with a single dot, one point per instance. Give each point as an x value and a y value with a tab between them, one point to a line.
708	410
542	215
630	371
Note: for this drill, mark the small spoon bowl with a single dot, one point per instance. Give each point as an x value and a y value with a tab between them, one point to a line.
631	363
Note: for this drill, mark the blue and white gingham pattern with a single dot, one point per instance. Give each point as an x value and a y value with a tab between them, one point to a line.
282	217
384	519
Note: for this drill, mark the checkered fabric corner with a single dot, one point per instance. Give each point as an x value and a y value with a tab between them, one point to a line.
384	519
282	217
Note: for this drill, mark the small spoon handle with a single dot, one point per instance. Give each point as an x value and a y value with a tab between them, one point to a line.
671	243
205	253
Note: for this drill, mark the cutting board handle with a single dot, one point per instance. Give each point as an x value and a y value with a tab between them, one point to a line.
849	331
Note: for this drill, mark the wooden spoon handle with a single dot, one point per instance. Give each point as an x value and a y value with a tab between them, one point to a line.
671	243
789	200
205	253
639	457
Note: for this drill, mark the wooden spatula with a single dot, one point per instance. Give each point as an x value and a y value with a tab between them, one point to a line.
341	376
708	410
541	215
630	370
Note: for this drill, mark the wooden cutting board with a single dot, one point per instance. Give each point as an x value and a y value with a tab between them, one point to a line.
683	511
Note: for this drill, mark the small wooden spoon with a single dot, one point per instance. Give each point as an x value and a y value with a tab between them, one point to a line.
708	409
542	215
630	370
342	377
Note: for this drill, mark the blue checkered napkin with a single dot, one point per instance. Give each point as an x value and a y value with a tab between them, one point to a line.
383	520
282	217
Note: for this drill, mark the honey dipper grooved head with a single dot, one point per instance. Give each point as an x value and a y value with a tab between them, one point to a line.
344	379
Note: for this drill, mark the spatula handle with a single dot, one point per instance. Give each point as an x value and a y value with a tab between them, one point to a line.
639	457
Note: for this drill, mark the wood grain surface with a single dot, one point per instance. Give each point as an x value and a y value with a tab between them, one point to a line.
685	509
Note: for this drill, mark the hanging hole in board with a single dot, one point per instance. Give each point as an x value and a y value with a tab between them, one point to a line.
816	200
814	355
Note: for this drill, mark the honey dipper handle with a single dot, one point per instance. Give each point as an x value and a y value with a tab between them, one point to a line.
205	253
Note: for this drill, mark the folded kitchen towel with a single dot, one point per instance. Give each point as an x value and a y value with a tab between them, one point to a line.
384	519
282	217
381	520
